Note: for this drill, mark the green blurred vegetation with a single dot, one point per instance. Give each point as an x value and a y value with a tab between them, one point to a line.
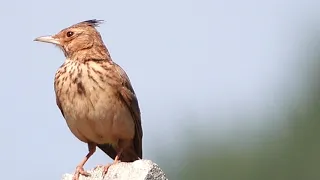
291	153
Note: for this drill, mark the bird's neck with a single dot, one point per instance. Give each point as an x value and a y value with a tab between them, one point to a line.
96	52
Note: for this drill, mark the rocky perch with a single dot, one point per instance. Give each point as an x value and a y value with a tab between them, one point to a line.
138	170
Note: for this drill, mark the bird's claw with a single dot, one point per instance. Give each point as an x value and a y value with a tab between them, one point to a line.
106	167
98	166
80	171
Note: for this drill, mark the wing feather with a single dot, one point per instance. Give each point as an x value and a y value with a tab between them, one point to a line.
128	95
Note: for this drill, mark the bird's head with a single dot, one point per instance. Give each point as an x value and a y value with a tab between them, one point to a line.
81	40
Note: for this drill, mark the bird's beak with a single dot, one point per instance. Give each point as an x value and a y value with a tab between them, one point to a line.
47	39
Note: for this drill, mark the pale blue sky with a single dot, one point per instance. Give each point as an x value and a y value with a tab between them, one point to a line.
218	58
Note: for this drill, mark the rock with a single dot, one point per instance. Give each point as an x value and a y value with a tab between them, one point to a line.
138	170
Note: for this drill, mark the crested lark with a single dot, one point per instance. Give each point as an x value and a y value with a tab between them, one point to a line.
95	96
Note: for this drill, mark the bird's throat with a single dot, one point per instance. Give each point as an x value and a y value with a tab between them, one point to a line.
91	54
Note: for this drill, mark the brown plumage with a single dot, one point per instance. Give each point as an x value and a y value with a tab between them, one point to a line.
95	95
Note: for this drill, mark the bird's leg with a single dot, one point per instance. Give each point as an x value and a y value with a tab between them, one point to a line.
79	168
116	160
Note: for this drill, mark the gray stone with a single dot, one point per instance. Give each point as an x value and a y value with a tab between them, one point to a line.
138	170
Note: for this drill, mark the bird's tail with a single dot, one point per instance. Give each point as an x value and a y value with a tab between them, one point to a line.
127	155
108	149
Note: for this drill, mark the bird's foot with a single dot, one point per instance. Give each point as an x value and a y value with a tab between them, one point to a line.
106	167
98	166
79	171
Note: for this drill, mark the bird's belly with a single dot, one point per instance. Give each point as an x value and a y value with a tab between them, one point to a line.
98	117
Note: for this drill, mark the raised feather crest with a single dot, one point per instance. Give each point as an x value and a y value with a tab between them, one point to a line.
91	22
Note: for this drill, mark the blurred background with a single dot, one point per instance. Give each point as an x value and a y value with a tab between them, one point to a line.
228	89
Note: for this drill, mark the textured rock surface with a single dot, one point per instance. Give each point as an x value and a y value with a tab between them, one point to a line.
138	170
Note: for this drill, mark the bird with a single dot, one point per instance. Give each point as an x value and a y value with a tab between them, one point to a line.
95	96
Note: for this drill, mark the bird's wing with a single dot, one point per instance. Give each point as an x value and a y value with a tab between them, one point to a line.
128	95
59	105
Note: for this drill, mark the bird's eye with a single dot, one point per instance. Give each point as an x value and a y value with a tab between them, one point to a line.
69	33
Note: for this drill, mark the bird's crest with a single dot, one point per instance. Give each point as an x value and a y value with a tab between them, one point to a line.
91	22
